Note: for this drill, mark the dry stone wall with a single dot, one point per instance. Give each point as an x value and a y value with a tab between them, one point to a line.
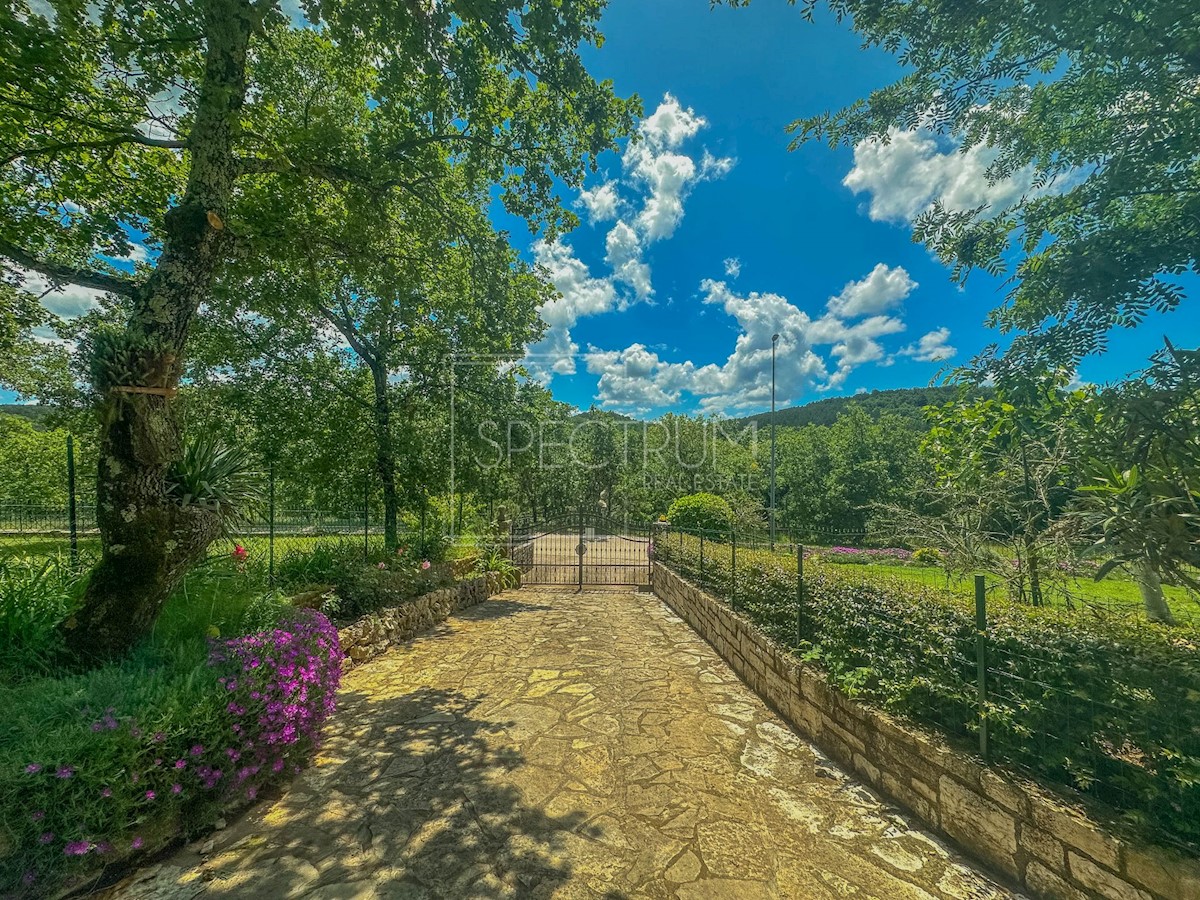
375	632
1021	830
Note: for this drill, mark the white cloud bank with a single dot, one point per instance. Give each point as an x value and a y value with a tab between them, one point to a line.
812	354
646	205
910	171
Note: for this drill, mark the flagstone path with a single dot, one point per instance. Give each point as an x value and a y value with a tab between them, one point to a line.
554	744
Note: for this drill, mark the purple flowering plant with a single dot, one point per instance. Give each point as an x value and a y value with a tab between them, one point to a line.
177	742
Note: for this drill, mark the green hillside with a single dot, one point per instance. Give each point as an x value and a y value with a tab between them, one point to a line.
904	402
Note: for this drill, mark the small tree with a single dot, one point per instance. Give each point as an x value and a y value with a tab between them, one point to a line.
1142	497
701	512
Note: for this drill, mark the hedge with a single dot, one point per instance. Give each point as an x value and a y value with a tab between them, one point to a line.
1106	705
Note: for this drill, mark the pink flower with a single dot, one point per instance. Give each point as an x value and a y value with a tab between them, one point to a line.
150	795
382	565
239	553
136	843
425	564
46	837
77	848
106	792
176	788
38	815
64	772
32	769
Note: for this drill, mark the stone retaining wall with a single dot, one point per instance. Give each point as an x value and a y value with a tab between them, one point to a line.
1021	830
377	631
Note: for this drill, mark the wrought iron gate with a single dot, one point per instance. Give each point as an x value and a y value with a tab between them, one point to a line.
582	549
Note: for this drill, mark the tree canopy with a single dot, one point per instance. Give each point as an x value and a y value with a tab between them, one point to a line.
1095	104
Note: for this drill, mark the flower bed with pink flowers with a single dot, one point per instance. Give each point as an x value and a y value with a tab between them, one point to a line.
106	766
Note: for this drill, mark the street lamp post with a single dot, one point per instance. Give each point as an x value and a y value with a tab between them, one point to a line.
774	342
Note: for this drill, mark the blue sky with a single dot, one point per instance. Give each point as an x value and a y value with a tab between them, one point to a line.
709	236
658	322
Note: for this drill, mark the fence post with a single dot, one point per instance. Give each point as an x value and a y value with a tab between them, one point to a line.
271	525
72	513
981	640
701	556
733	568
799	593
367	519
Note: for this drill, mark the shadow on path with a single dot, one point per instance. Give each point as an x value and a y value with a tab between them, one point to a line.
410	798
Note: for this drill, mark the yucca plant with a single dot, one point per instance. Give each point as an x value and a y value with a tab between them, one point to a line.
217	476
499	564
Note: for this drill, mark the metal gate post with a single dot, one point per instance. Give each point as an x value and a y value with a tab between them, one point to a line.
981	640
579	550
733	568
799	593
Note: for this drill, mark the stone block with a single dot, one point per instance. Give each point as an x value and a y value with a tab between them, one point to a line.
1045	847
903	793
978	824
1044	883
1165	872
1100	881
1077	832
1004	791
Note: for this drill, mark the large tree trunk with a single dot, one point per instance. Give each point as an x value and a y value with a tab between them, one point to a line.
148	540
385	456
1150	586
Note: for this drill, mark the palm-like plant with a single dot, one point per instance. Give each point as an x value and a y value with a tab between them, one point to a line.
219	477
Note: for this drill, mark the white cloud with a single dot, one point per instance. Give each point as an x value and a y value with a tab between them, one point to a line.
67	302
907	173
637	379
670	125
932	347
624	255
580	295
883	289
602	202
733	267
658	176
667	175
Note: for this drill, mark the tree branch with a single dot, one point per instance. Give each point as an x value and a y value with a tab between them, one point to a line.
51	149
61	273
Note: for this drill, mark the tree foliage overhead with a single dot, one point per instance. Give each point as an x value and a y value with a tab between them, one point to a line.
1098	102
226	136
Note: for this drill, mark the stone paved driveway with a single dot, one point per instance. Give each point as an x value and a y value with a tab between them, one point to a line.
553	744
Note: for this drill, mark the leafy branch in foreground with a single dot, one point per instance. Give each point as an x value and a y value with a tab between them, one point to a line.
1087	112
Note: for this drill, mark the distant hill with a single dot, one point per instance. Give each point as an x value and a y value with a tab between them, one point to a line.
904	402
25	410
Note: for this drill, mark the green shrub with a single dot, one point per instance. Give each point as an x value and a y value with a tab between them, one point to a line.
389	579
433	546
927	556
697	513
36	595
113	763
496	563
1104	705
326	562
